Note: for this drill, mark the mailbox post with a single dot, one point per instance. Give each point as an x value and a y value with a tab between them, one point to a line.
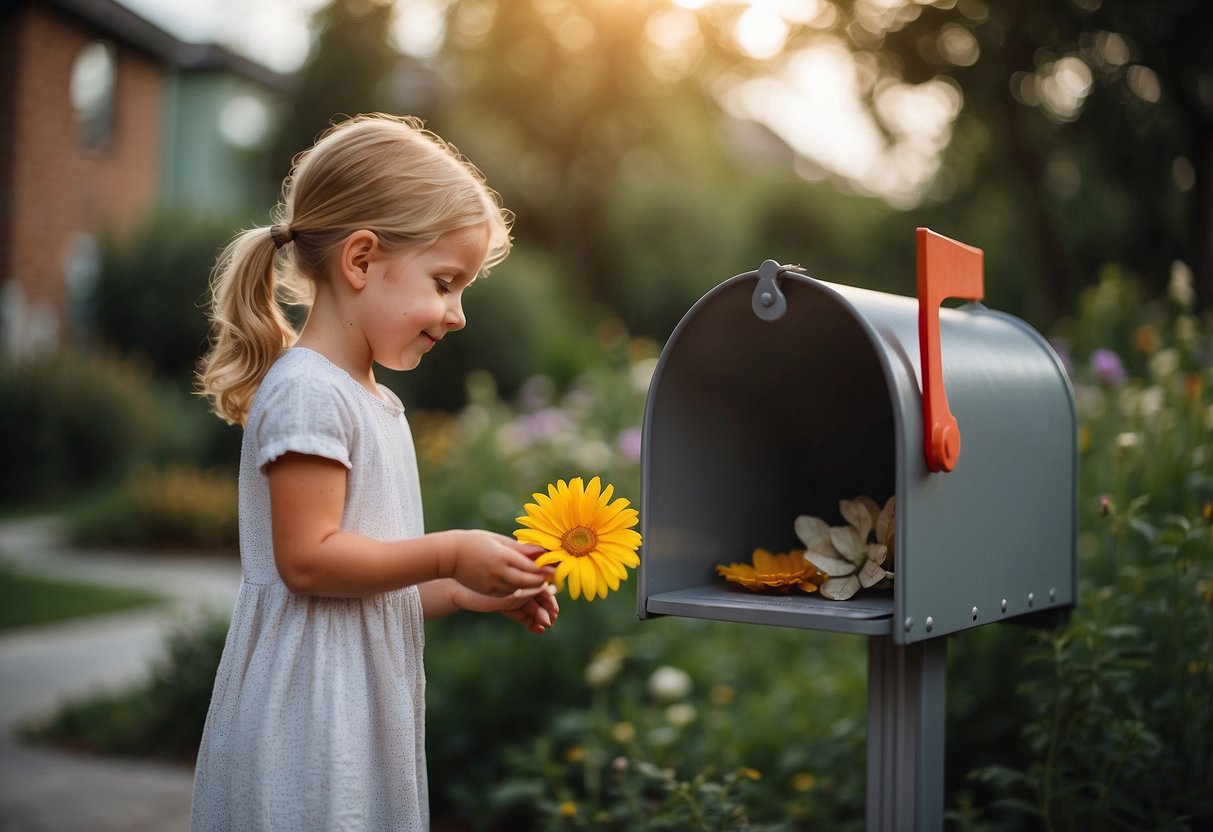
778	395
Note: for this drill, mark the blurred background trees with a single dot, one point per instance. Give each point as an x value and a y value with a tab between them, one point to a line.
631	144
653	148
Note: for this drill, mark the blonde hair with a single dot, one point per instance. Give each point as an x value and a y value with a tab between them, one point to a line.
382	173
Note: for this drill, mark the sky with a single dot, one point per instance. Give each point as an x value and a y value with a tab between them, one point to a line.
272	32
812	103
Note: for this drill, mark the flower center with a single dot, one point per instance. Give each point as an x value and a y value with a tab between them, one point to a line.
579	541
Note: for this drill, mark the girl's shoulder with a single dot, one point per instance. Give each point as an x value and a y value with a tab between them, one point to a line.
301	374
302	370
301	362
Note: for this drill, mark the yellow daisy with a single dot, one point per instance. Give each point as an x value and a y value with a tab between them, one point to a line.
778	572
588	537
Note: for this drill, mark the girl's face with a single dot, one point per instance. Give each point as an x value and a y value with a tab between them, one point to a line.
415	298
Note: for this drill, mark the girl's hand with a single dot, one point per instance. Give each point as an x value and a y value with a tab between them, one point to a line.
493	564
536	608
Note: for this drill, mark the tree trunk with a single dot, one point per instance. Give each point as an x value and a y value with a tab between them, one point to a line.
1052	273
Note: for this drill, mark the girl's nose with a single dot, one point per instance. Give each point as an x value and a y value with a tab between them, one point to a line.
454	316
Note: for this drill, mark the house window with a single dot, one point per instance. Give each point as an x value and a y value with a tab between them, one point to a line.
93	83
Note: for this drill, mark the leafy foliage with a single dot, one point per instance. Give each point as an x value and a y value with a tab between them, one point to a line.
608	723
177	507
163	717
70	422
153	291
1119	725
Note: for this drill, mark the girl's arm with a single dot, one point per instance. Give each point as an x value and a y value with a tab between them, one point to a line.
315	557
536	609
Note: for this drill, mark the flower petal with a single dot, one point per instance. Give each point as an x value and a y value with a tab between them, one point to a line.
834	567
848	543
589	578
870	574
622	540
814	533
574	576
877	552
557	556
857	516
763	560
606	570
870	506
618	518
539	538
886	522
839	589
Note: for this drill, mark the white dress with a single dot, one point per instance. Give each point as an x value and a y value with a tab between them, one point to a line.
317	720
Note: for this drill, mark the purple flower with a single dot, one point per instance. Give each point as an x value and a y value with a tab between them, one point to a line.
1107	368
628	444
545	425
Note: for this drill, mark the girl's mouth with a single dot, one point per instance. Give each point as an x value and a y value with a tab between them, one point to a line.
430	341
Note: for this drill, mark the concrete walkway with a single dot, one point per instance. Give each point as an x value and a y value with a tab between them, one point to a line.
45	790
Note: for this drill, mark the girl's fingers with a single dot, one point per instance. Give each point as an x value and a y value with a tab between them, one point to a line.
530	550
527	564
541	617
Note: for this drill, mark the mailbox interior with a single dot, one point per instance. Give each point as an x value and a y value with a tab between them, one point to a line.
754	423
751	423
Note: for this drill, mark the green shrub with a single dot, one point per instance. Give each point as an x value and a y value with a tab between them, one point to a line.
1117	718
70	422
685	724
1105	723
152	294
161	717
174	507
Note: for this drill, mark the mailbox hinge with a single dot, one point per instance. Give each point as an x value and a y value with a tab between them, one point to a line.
769	302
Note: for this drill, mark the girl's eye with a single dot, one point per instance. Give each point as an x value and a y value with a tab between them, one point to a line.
444	288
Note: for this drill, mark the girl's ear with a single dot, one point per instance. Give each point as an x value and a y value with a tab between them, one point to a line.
357	254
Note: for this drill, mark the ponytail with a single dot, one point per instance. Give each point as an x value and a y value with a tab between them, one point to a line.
387	174
249	329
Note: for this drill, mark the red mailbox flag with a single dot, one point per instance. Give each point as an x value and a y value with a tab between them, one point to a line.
946	269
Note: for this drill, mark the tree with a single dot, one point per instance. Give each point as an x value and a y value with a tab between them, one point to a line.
348	70
563	94
1094	117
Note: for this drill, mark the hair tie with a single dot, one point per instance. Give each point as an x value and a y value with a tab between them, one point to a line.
281	235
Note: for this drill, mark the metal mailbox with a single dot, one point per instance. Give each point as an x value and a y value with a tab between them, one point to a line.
778	395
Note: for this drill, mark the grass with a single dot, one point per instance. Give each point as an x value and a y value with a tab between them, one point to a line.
27	599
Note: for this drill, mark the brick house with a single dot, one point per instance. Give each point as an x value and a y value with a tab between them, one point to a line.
105	118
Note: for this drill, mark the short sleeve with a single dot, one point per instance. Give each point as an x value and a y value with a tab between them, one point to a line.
306	416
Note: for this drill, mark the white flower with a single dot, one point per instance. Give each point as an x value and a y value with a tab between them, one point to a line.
512	439
845	553
641	374
1180	288
1092	402
669	684
681	714
1185	329
593	454
1126	440
602	669
1164	363
606	664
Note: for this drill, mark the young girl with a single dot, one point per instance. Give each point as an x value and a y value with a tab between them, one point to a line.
317	717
